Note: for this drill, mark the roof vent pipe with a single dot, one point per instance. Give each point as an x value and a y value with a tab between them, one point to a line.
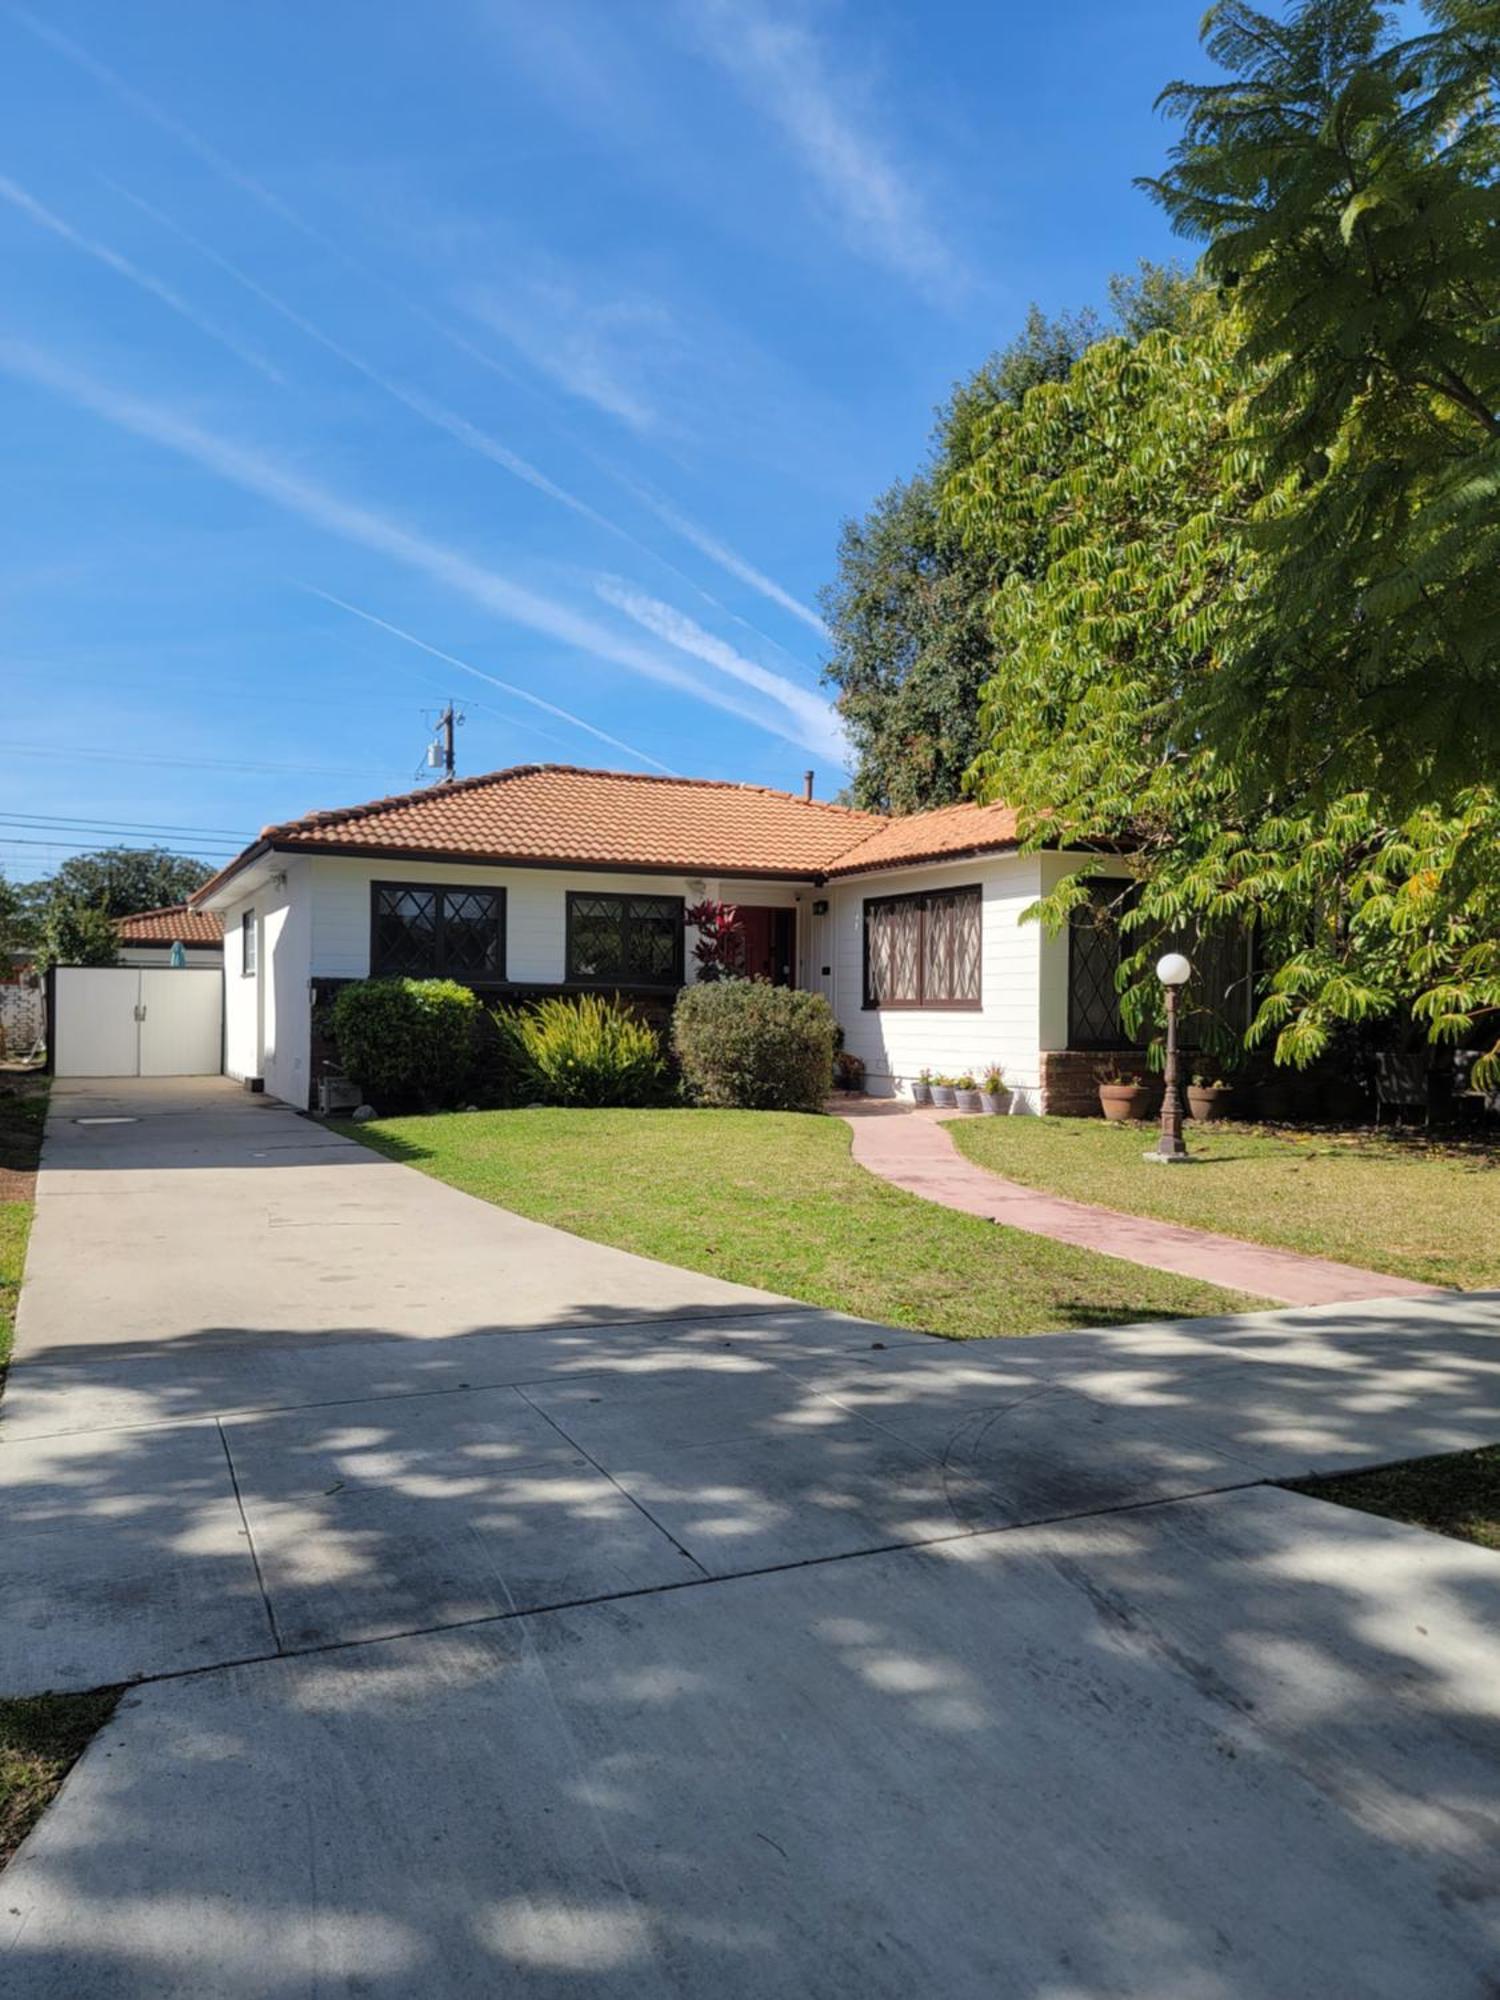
807	785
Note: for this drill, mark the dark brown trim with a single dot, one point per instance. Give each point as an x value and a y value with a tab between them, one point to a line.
921	898
441	971
576	865
610	985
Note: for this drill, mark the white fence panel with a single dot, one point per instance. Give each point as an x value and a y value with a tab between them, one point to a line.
117	1020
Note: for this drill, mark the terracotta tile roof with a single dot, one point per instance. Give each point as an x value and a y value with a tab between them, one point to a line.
930	836
200	927
556	813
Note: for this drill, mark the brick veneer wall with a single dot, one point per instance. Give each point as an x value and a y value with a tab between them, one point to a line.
1070	1079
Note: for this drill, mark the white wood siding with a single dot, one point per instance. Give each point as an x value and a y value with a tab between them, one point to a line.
1006	1028
535	908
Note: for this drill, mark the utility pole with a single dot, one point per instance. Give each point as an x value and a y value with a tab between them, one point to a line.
441	753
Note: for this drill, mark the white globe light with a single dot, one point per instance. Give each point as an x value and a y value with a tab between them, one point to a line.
1174	969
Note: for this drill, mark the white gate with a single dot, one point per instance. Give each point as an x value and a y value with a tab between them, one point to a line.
117	1020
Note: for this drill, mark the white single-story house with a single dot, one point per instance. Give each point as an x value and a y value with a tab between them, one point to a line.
547	879
147	937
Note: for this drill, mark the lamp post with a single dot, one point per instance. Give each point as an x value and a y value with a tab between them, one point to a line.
1174	971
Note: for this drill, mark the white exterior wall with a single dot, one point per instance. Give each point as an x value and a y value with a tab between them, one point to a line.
208	957
241	1002
1006	1028
535	908
268	1018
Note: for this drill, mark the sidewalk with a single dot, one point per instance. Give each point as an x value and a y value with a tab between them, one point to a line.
909	1148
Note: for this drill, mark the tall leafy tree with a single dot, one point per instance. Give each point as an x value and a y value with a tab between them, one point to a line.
123	880
1133	503
1346	185
910	636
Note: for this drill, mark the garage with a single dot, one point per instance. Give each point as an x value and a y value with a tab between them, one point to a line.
118	1020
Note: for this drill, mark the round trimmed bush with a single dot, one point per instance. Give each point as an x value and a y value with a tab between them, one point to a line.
407	1041
748	1046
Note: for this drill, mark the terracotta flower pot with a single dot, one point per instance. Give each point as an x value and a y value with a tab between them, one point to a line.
1119	1101
1209	1101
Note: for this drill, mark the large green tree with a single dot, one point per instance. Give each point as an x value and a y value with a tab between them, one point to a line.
911	641
1346	184
121	881
69	917
1121	505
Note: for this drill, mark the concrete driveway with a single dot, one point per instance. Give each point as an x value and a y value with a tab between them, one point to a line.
513	1616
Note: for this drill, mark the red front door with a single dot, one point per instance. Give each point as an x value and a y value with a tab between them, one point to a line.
770	938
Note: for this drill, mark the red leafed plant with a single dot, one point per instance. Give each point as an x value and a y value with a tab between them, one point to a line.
720	950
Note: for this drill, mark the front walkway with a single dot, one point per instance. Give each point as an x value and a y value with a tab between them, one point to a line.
909	1148
744	1649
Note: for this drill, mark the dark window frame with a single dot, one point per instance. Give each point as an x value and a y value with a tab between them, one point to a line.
1207	955
925	1003
249	945
440	891
624	979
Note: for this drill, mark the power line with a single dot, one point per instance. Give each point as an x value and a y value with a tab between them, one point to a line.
185	763
91	846
86	823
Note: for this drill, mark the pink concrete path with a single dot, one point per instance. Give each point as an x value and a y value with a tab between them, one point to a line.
908	1146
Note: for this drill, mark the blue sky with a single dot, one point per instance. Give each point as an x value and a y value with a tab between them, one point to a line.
353	356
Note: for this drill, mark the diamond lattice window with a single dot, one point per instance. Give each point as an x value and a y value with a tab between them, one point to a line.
625	940
423	932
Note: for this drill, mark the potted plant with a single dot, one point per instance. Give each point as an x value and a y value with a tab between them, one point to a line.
993	1093
921	1089
1209	1097
966	1090
1124	1093
943	1091
848	1071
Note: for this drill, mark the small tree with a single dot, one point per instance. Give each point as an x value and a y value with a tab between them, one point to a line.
76	934
720	950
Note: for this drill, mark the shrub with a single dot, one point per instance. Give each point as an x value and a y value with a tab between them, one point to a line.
753	1047
587	1051
406	1041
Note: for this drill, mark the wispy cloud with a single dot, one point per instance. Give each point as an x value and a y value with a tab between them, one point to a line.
727	558
235	176
812	721
254	472
600	351
471	435
786	71
46	218
521	694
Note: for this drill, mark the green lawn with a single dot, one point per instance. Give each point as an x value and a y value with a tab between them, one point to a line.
23	1108
1457	1494
773	1199
41	1739
1394	1203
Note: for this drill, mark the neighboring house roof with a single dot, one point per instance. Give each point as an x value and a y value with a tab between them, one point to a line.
169	926
555	815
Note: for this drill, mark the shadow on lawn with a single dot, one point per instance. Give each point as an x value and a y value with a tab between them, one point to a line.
1154	1748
